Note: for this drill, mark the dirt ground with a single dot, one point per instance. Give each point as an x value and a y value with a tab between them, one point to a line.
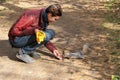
81	23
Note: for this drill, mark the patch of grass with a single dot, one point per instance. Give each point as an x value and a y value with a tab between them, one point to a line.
115	53
113	17
1	1
115	47
113	11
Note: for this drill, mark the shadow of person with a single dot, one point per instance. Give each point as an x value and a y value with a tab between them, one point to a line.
46	53
7	50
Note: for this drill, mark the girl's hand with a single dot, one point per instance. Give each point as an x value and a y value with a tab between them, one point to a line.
57	54
36	30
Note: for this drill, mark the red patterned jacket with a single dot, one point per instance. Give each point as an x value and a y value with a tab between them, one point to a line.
26	25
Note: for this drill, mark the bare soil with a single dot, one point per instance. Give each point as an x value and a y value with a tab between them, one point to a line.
81	23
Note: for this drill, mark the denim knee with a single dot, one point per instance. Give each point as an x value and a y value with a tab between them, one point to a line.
49	34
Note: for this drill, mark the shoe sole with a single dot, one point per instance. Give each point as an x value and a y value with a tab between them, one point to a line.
18	56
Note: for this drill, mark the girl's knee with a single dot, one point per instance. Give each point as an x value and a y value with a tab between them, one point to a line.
49	34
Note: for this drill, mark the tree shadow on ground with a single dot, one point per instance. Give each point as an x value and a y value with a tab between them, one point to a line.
12	7
7	50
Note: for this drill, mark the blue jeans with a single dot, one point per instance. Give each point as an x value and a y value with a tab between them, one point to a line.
29	43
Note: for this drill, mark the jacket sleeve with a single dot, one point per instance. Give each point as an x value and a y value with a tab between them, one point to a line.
20	28
50	46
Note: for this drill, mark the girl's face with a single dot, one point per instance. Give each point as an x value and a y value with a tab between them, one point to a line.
52	18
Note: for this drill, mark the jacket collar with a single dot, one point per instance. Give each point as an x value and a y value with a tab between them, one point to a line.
44	16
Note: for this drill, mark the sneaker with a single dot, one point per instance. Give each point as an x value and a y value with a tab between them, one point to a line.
24	57
34	55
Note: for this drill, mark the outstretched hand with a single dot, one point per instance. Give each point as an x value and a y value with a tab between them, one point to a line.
57	54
